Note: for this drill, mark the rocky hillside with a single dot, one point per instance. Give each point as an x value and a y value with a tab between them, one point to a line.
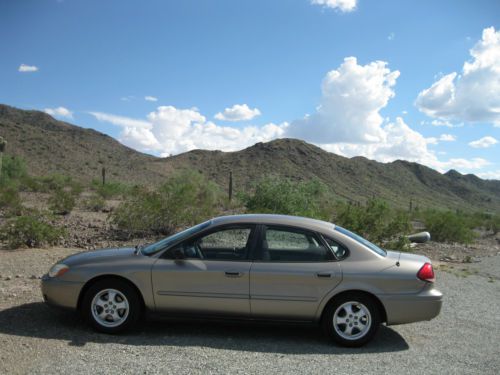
51	146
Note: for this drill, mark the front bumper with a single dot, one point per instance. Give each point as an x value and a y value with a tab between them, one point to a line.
401	309
60	293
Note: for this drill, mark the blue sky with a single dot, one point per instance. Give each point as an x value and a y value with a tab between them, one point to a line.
356	77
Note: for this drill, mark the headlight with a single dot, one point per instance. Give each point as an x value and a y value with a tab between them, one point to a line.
58	270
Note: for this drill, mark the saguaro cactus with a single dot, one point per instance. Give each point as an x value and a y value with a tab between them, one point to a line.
103	172
230	186
3	144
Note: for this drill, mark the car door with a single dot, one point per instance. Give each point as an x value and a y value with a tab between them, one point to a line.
293	272
208	274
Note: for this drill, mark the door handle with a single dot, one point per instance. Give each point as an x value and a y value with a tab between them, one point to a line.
233	274
324	274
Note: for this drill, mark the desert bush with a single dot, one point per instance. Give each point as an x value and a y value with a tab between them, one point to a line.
13	168
30	231
448	226
51	183
375	221
94	203
493	224
184	199
10	201
62	202
283	196
110	189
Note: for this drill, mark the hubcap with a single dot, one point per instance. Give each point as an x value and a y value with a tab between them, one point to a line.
110	308
352	320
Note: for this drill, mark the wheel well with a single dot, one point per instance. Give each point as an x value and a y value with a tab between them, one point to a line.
381	308
89	283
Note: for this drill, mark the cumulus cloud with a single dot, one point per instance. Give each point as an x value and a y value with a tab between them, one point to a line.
238	112
348	120
23	68
484	142
59	112
342	5
490	175
352	97
473	95
170	130
149	98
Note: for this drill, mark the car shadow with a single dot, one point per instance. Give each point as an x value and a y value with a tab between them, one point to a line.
38	320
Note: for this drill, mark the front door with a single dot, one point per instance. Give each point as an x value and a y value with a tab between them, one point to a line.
294	272
206	275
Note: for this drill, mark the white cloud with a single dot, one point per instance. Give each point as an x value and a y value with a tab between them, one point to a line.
473	95
170	130
120	120
348	120
342	5
238	112
352	97
150	98
442	123
23	68
490	175
447	138
59	112
484	142
391	37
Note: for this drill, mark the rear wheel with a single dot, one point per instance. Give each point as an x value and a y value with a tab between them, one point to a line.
111	306
352	319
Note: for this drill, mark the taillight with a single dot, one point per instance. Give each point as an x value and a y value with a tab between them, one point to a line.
426	273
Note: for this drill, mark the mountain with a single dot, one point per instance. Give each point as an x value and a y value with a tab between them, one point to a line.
51	146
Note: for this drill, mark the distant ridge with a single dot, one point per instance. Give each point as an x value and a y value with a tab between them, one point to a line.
52	146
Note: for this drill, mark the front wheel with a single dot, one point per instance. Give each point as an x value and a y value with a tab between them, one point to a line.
351	320
111	306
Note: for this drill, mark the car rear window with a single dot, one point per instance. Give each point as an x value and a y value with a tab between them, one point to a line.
361	240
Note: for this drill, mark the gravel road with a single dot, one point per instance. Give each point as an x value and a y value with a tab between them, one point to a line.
34	339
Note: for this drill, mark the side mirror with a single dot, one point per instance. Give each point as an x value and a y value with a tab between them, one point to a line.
419	237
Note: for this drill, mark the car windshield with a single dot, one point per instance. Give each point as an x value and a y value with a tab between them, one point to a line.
166	242
361	240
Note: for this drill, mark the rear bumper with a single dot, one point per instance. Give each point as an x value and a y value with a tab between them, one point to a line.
401	309
59	293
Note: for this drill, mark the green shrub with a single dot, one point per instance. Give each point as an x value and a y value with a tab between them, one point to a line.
110	189
377	222
13	168
94	203
51	183
31	231
10	202
448	226
184	199
284	196
62	202
493	224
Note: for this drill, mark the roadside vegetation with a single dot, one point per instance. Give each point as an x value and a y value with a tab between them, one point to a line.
188	197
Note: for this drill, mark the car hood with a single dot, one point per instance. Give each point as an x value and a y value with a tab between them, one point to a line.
99	255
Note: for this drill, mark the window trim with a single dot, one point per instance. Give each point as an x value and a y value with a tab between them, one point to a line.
257	256
251	242
348	252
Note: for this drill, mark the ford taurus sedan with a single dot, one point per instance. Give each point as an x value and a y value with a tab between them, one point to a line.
269	267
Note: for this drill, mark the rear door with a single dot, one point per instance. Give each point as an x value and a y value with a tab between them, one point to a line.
213	276
293	271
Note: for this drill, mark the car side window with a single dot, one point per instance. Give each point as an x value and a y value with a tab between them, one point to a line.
340	250
224	244
293	245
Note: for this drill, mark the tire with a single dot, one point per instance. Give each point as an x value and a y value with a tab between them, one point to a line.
351	319
111	306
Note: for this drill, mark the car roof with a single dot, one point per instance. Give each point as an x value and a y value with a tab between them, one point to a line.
294	221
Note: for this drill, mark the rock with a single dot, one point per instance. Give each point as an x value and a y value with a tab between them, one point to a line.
8	278
33	277
18	276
